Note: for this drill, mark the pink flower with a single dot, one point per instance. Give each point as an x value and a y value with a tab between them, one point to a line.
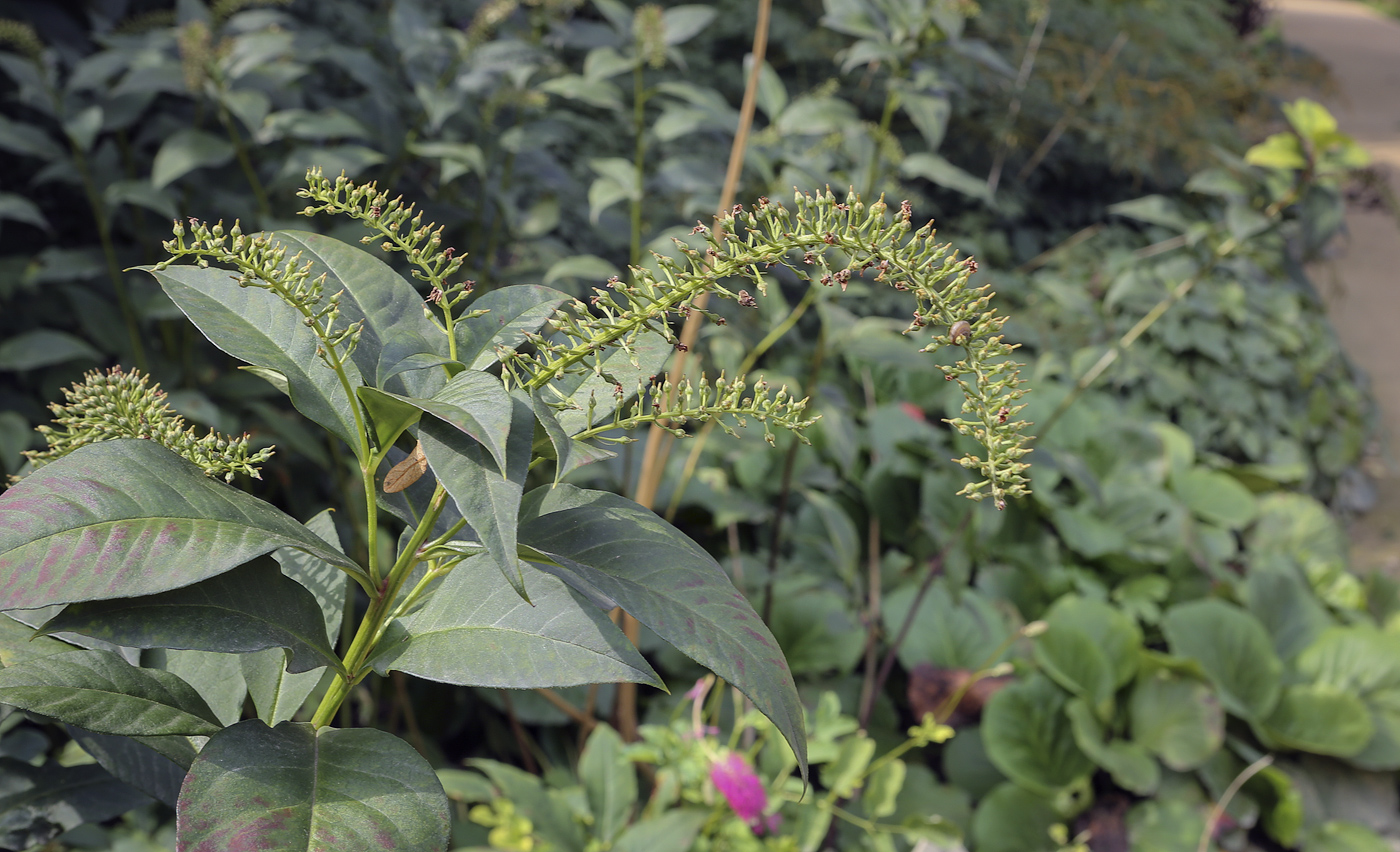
741	787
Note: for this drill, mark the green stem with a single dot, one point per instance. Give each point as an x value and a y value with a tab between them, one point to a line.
109	253
886	118
639	156
240	151
376	620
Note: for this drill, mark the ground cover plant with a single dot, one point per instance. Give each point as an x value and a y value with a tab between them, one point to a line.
1195	418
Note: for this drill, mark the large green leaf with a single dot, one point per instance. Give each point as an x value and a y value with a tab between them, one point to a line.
476	631
1282	601
18	643
1014	819
395	328
184	151
477	404
609	781
512	313
1028	736
37	803
101	692
257	327
955	633
277	694
616	551
1216	497
326	582
295	787
1178	719
127	518
1319	718
1089	648
569	453
251	608
1363	661
218	678
138	764
1130	764
1233	650
489	502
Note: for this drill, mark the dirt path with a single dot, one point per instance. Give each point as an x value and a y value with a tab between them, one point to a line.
1363	49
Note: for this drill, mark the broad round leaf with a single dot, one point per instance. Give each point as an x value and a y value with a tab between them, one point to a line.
955	633
605	545
1128	762
128	518
101	692
476	631
1364	661
1014	819
1178	719
1232	649
1321	719
1216	497
1028	736
251	608
294	787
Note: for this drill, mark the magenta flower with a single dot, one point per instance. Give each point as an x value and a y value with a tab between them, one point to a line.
741	787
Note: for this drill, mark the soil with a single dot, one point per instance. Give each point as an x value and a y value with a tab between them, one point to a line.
1361	283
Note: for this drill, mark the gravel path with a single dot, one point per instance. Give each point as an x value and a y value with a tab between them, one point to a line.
1363	49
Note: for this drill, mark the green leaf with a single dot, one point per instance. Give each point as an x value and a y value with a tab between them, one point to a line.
477	404
1089	648
295	787
395	328
1166	825
43	347
476	631
82	129
584	267
609	781
512	313
1363	661
464	786
38	803
17	208
18	643
1342	836
218	678
680	24
257	327
489	502
327	583
1014	819
1216	497
614	550
186	150
569	453
844	772
277	694
251	608
1154	210
27	140
948	633
553	817
138	764
388	414
1310	118
141	194
1321	719
1287	608
1129	763
936	169
129	518
1028	736
1232	649
1178	719
881	795
101	692
1296	528
673	831
1279	151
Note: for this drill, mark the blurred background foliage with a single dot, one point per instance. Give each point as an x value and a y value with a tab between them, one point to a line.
1083	150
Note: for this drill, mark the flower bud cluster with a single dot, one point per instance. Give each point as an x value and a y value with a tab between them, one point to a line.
117	404
399	226
703	401
871	239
